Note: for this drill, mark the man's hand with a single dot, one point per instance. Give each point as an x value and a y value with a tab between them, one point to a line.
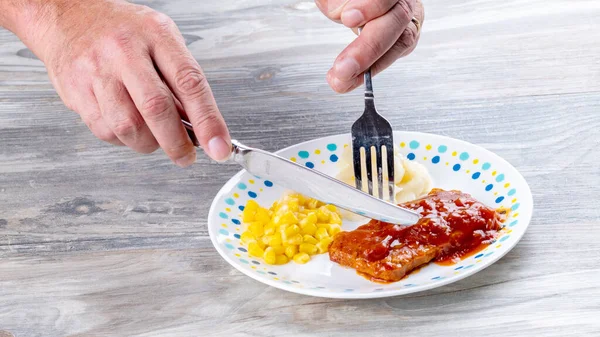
126	71
388	35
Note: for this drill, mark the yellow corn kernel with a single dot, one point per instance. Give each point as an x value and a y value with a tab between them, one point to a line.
251	205
323	214
281	210
292	230
248	215
301	258
256	228
290	251
331	208
301	216
308	248
312	203
269	230
262	215
321	233
275	240
311	218
281	231
261	244
279	250
265	239
294	240
327	226
270	256
247	236
334	229
305	211
288	218
281	259
294	205
310	229
255	250
334	218
323	245
309	239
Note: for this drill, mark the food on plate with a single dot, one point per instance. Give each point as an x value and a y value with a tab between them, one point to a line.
453	225
412	180
294	228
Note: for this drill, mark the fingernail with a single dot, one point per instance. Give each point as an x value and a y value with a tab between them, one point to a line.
346	68
187	160
352	18
219	149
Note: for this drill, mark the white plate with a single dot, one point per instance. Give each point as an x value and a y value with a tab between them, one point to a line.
453	164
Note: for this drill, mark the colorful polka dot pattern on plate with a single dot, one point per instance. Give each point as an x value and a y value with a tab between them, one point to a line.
455	161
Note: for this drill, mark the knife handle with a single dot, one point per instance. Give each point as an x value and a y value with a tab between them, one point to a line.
238	150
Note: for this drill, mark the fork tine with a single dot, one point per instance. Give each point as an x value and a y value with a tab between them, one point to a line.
379	156
390	170
357	166
369	161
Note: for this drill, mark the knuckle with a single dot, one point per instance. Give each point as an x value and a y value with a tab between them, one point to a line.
122	38
128	127
159	22
179	150
157	106
207	121
104	134
404	12
98	127
408	38
70	105
88	63
153	146
191	81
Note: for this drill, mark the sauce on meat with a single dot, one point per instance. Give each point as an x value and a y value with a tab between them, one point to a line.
454	224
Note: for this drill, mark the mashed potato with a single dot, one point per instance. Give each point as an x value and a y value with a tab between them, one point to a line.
412	179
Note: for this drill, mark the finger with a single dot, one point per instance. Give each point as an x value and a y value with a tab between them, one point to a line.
358	12
332	8
88	109
78	95
122	116
406	43
377	37
188	83
156	105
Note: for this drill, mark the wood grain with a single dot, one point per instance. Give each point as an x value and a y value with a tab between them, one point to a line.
98	241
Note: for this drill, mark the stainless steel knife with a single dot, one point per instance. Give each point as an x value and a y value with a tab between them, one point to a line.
316	185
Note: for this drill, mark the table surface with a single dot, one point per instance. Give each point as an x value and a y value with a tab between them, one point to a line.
98	241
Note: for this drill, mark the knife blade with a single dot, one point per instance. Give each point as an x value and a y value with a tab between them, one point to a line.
318	185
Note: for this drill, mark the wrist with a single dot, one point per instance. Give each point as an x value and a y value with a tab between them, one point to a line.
17	16
32	20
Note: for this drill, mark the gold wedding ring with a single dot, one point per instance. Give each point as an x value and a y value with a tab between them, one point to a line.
417	23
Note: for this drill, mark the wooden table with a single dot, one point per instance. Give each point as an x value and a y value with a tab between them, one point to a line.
98	241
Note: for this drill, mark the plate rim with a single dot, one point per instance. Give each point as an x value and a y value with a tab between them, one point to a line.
378	294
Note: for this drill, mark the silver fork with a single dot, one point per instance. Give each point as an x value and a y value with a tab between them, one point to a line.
373	133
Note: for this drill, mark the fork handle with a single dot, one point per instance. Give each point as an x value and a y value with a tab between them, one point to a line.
368	85
368	82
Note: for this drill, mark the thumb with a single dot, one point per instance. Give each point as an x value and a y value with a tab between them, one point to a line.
332	8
